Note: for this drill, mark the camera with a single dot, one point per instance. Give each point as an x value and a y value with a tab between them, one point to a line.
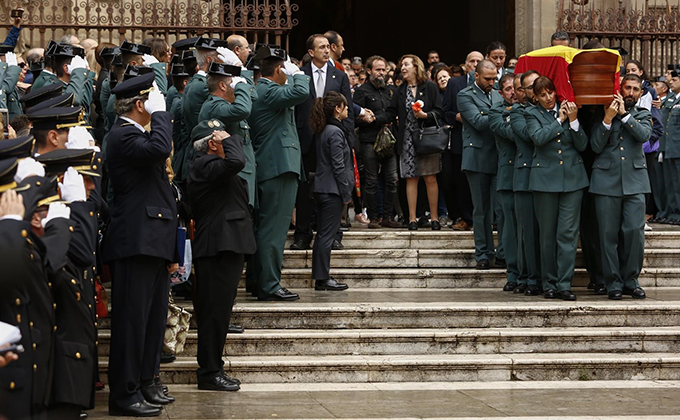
17	13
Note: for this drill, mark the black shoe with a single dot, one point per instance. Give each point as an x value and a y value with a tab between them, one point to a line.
219	383
600	289
636	293
167	357
138	409
235	329
509	287
337	245
550	294
521	288
330	284
591	285
483	264
615	295
299	245
83	415
413	226
436	225
344	227
282	294
163	388
424	222
566	295
500	262
153	393
532	291
230	379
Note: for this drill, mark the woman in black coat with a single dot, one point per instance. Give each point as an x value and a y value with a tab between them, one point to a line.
416	87
333	182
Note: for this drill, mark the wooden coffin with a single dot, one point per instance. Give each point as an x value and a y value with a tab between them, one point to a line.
593	76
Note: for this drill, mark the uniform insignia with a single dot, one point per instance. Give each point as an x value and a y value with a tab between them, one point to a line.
509	108
211	124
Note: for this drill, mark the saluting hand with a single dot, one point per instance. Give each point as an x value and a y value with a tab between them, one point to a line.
12	203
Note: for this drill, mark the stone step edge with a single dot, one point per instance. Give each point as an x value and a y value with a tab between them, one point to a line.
466	251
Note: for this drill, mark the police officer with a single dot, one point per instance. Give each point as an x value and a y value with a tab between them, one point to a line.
224	236
139	245
619	184
277	153
10	72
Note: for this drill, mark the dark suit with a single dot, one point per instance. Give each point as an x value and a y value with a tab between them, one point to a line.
139	243
224	233
454	184
336	81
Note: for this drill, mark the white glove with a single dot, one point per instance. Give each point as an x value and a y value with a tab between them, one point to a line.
77	62
73	187
156	101
148	60
236	80
227	56
54	211
11	59
291	69
660	157
79	138
28	167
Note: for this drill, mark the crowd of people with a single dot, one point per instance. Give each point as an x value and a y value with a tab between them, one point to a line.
115	156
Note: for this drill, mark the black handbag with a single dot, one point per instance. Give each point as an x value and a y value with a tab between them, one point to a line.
434	139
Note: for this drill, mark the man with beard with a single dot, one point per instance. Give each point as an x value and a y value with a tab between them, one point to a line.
619	183
376	97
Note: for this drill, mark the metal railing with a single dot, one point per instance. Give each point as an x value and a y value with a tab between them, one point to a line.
268	21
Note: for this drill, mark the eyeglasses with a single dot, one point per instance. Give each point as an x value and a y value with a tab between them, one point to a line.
22	65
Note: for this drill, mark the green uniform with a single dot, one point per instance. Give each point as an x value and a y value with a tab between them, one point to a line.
480	164
499	122
279	164
669	144
170	97
528	249
558	179
195	94
234	118
104	100
46	77
177	122
9	76
619	183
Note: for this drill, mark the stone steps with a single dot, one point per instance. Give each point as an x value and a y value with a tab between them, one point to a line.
427	368
439	341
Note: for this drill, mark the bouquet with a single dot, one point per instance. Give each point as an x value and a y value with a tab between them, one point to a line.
417	106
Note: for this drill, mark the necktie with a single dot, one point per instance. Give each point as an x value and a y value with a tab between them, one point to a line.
553	113
320	84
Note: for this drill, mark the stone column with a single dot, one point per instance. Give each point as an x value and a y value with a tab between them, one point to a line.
535	22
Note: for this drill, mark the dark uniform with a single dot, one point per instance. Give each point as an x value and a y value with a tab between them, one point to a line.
140	242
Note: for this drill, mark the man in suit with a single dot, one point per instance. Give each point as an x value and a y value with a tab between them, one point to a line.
224	235
480	156
277	154
323	78
337	46
619	183
140	245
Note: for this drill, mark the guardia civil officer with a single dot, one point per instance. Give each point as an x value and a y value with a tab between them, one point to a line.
140	245
224	236
619	183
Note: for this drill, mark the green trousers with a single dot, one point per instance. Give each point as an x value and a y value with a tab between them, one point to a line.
558	216
528	249
272	219
508	238
670	172
482	186
590	239
622	239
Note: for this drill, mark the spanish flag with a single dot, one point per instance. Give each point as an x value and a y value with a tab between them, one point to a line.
554	62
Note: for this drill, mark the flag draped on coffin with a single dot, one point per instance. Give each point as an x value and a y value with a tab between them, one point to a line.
553	62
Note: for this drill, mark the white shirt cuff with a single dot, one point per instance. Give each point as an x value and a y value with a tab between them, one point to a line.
607	126
363	112
11	217
625	119
575	125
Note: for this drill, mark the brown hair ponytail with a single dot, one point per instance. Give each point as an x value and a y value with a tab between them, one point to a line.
324	108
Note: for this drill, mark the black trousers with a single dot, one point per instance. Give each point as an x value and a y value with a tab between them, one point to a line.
139	295
373	166
304	211
454	184
64	412
216	283
329	213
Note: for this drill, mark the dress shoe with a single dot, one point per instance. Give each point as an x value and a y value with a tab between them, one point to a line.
235	329
153	393
219	383
344	227
167	357
230	379
138	409
532	291
361	219
99	385
509	286
500	262
615	295
330	284
566	295
374	225
521	288
413	226
424	222
591	285
436	225
636	293
163	388
461	225
600	289
282	294
550	294
299	245
389	222
337	245
483	264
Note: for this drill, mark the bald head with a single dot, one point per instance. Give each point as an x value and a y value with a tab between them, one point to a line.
239	45
472	60
485	65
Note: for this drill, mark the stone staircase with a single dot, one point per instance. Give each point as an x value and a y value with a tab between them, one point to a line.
417	311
